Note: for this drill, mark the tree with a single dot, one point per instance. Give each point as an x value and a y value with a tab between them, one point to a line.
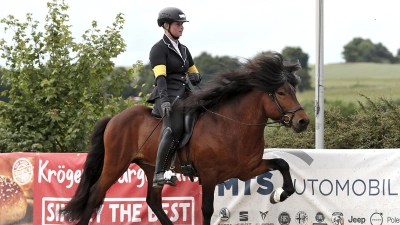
209	65
398	56
294	54
363	50
146	81
3	88
57	89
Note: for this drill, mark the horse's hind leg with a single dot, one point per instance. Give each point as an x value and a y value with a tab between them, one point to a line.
154	197
287	189
98	190
95	197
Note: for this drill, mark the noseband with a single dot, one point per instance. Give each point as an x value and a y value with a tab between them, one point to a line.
285	119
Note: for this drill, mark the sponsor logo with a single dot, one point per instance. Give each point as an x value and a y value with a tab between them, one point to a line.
337	218
356	220
301	218
284	218
182	16
224	214
319	217
243	216
263	214
376	218
22	171
393	220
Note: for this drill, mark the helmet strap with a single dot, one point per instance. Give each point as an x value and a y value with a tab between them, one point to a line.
169	27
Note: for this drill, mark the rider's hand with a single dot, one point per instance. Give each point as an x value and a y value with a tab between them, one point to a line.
166	109
194	78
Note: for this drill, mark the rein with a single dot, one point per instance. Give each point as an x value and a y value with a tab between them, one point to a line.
247	124
282	121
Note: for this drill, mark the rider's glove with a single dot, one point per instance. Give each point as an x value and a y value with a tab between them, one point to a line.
166	109
194	78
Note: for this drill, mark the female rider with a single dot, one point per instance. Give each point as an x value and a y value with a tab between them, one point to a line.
172	63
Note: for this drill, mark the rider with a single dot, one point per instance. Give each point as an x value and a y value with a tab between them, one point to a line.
172	63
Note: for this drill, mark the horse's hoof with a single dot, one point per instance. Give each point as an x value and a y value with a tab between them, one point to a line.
278	195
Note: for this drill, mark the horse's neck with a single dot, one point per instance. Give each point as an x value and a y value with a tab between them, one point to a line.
244	119
247	111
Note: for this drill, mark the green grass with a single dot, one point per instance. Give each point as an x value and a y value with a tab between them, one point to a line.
346	81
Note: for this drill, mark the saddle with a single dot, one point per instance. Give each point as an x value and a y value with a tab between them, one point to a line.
187	167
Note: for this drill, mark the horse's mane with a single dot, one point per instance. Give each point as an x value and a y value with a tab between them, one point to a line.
264	72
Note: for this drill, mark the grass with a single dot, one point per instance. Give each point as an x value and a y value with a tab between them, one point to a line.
344	82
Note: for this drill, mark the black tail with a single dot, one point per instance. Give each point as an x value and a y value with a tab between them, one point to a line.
91	172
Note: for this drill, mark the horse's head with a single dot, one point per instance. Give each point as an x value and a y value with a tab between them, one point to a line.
286	108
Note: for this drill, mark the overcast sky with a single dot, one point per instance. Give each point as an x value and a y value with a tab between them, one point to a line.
230	27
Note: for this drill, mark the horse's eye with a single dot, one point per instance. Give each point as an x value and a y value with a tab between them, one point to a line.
281	93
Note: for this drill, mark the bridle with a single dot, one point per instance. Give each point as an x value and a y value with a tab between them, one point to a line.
284	115
284	121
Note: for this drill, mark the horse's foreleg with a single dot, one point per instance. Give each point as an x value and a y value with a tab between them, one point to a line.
207	206
287	189
154	197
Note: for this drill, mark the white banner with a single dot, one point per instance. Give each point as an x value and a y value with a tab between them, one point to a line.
333	187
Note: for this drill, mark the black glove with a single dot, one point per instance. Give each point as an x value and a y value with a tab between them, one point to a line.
166	109
194	78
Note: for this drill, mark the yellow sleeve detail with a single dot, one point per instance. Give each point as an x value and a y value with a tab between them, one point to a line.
160	70
193	69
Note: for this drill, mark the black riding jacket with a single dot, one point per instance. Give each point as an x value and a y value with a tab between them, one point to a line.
169	65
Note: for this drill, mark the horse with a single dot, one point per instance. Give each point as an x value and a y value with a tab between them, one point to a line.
227	140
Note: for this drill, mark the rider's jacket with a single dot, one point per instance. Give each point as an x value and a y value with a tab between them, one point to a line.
166	61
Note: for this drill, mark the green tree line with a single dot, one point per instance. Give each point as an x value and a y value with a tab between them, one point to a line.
363	50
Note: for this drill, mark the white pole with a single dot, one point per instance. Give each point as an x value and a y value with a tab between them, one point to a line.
319	78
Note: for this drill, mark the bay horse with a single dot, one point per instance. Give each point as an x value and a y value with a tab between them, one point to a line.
227	140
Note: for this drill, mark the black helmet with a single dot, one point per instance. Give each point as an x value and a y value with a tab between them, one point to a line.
169	15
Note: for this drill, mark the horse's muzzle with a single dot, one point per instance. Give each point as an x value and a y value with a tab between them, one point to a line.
300	124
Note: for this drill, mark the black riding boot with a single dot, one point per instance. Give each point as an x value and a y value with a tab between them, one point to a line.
164	150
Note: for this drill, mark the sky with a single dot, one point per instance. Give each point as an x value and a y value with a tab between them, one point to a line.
231	27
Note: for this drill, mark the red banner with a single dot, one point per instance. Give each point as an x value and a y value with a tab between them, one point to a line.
48	181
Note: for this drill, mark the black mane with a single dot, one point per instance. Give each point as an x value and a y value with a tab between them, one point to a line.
264	72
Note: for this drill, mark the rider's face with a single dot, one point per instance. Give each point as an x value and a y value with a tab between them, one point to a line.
176	28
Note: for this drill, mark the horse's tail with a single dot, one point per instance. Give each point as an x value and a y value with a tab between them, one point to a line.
91	172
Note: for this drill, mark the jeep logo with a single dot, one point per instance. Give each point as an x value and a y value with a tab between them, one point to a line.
356	220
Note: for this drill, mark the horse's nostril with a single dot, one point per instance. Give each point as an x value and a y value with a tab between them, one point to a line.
303	122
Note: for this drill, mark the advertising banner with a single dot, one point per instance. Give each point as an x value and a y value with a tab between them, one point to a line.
48	180
333	187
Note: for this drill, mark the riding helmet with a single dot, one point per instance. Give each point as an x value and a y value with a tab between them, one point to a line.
169	15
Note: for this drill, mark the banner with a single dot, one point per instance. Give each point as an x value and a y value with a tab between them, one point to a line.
333	187
49	180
